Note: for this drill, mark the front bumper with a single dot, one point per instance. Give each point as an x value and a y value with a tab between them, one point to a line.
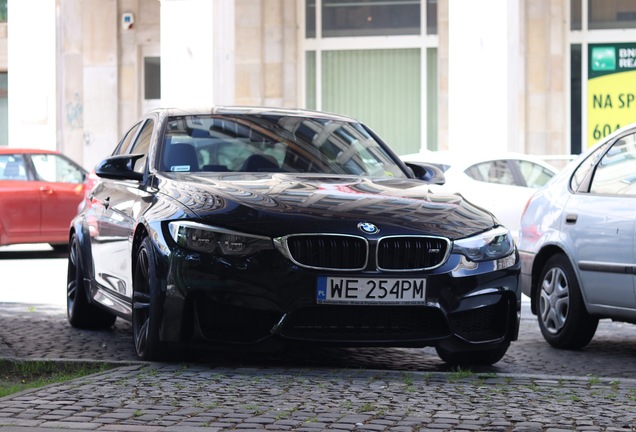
221	302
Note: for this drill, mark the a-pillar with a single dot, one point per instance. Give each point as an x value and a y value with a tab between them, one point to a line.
197	52
484	75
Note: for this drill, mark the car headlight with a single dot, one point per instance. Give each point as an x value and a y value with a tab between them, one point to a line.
490	245
205	238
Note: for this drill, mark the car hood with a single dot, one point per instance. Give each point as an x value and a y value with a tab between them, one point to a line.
278	204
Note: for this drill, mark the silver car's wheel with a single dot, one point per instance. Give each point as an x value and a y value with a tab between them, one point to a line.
554	300
563	317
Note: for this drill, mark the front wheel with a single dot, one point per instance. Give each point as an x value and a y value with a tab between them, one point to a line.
485	357
80	312
146	312
563	318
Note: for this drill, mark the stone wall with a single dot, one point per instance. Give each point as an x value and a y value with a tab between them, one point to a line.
3	47
266	52
546	69
543	125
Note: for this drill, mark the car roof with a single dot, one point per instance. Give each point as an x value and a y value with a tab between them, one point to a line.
250	110
16	150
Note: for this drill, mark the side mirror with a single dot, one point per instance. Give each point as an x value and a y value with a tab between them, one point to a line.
119	167
428	172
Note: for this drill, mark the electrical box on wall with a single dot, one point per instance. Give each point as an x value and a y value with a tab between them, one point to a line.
127	20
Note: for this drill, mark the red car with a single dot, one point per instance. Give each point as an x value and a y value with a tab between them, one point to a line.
40	191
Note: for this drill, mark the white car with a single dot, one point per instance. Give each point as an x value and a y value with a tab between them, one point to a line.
501	183
577	243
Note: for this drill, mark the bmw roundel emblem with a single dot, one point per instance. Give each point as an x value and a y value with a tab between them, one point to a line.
368	228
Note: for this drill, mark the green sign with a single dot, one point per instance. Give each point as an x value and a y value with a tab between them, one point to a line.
611	88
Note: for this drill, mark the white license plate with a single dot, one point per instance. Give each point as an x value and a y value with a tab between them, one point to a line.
348	290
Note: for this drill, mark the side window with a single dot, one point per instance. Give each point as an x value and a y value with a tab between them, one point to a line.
534	174
124	145
142	145
13	167
615	173
478	172
580	181
54	168
496	171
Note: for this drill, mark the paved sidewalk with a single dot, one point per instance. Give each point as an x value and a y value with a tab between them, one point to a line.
534	388
194	398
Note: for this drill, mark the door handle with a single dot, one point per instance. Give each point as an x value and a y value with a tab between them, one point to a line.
571	218
106	202
47	190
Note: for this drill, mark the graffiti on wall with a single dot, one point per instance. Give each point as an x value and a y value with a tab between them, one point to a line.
75	113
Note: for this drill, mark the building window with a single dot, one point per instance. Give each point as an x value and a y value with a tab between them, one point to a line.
576	18
152	78
310	19
575	99
3	10
386	85
611	14
370	18
431	17
432	86
381	82
310	79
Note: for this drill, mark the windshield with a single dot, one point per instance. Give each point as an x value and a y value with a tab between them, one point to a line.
273	143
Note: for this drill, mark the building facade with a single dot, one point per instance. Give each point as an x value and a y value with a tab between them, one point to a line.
547	77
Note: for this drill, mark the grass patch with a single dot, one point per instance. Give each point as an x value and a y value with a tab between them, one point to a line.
19	375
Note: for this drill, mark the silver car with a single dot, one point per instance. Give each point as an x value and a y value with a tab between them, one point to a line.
577	243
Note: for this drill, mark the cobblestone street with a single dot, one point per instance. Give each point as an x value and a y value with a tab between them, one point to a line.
534	388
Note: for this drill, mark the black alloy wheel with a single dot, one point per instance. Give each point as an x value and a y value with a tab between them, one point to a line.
146	307
563	318
80	312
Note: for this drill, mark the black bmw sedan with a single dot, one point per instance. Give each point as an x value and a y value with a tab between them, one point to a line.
259	227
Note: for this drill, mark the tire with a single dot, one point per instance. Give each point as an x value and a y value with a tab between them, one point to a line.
146	314
80	312
59	248
563	318
474	358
